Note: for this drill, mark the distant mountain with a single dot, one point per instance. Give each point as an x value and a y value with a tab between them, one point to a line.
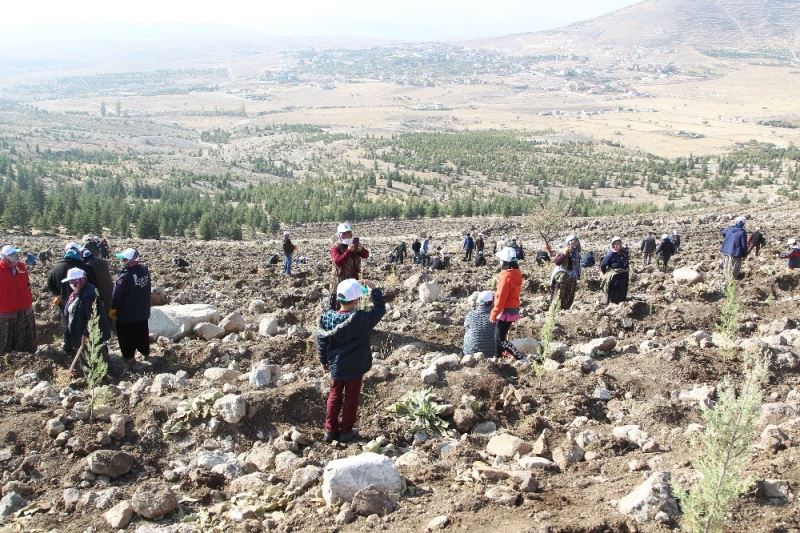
720	28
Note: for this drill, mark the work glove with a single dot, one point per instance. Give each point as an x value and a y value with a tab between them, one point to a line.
112	314
56	301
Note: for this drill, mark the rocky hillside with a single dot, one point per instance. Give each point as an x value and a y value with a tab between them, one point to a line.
221	428
737	27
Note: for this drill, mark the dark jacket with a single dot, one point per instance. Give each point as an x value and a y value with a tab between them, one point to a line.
479	332
105	285
469	244
648	245
756	240
78	315
131	296
343	339
665	249
59	272
588	260
288	247
614	260
794	258
734	241
416	246
479	244
519	251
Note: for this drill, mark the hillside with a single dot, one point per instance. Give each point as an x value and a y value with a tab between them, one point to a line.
739	28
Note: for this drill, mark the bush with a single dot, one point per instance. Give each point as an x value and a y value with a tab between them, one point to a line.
421	411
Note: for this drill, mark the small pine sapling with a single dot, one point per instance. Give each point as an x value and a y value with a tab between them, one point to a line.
95	367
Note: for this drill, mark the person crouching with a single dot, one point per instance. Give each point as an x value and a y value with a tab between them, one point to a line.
344	351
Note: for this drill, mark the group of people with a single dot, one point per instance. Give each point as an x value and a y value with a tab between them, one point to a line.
81	286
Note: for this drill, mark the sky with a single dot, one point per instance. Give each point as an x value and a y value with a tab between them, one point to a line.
48	21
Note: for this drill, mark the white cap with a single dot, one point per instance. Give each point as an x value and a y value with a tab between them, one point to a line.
73	274
570	238
285	233
790	242
72	246
674	232
128	253
344	227
740	219
616	238
485	297
9	250
507	254
88	237
665	237
349	290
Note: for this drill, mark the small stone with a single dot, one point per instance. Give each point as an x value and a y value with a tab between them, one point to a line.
208	331
153	500
464	419
231	408
345	516
110	463
648	500
70	498
438	522
11	503
268	327
54	426
372	501
506	445
429	376
233	323
304	477
774	490
221	375
118	426
486	427
503	495
119	516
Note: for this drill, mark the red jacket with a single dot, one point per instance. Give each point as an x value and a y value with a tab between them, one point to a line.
346	264
15	291
508	288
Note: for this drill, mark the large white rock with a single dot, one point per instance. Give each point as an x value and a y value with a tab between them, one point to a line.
652	500
687	276
268	326
208	331
231	408
175	321
429	292
342	478
233	323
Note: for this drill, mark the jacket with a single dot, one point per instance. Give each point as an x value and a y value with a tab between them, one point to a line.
507	294
588	260
648	245
469	244
15	290
78	312
105	285
131	296
59	272
569	263
416	246
346	264
343	339
614	260
734	241
665	249
478	331
479	244
794	258
756	240
288	247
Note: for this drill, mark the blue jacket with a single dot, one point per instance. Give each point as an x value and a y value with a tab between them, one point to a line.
469	244
343	339
131	297
734	241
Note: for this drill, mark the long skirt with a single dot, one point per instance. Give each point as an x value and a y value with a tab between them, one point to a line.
18	333
566	291
618	288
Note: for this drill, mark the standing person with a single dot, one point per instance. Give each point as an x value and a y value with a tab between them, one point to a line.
416	246
478	328
79	308
17	321
676	240
517	246
468	247
665	251
288	250
346	255
567	272
105	285
426	248
344	350
648	248
793	255
614	267
734	248
130	306
400	252
755	242
506	303
480	244
60	290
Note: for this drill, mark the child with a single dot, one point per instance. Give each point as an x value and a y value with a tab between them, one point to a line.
344	350
506	303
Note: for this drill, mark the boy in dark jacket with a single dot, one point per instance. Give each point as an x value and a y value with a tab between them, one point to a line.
344	350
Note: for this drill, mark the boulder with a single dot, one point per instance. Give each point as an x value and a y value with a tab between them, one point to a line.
186	317
119	516
233	323
503	495
268	326
416	279
505	445
304	477
602	344
651	501
11	503
342	478
254	482
221	375
687	276
231	408
109	463
429	376
208	331
153	500
429	292
527	345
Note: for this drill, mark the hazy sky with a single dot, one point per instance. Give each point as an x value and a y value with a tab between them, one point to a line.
23	22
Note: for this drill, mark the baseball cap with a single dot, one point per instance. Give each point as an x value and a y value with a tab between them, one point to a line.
349	290
616	238
9	250
74	246
285	233
344	227
128	254
507	254
74	274
664	237
570	238
485	296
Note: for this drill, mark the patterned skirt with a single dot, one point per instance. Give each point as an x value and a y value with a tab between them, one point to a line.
18	334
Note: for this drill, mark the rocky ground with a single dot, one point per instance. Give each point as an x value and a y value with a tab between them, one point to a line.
220	429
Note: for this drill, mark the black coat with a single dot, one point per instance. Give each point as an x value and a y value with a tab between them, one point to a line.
345	348
614	260
79	315
59	272
131	296
288	247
